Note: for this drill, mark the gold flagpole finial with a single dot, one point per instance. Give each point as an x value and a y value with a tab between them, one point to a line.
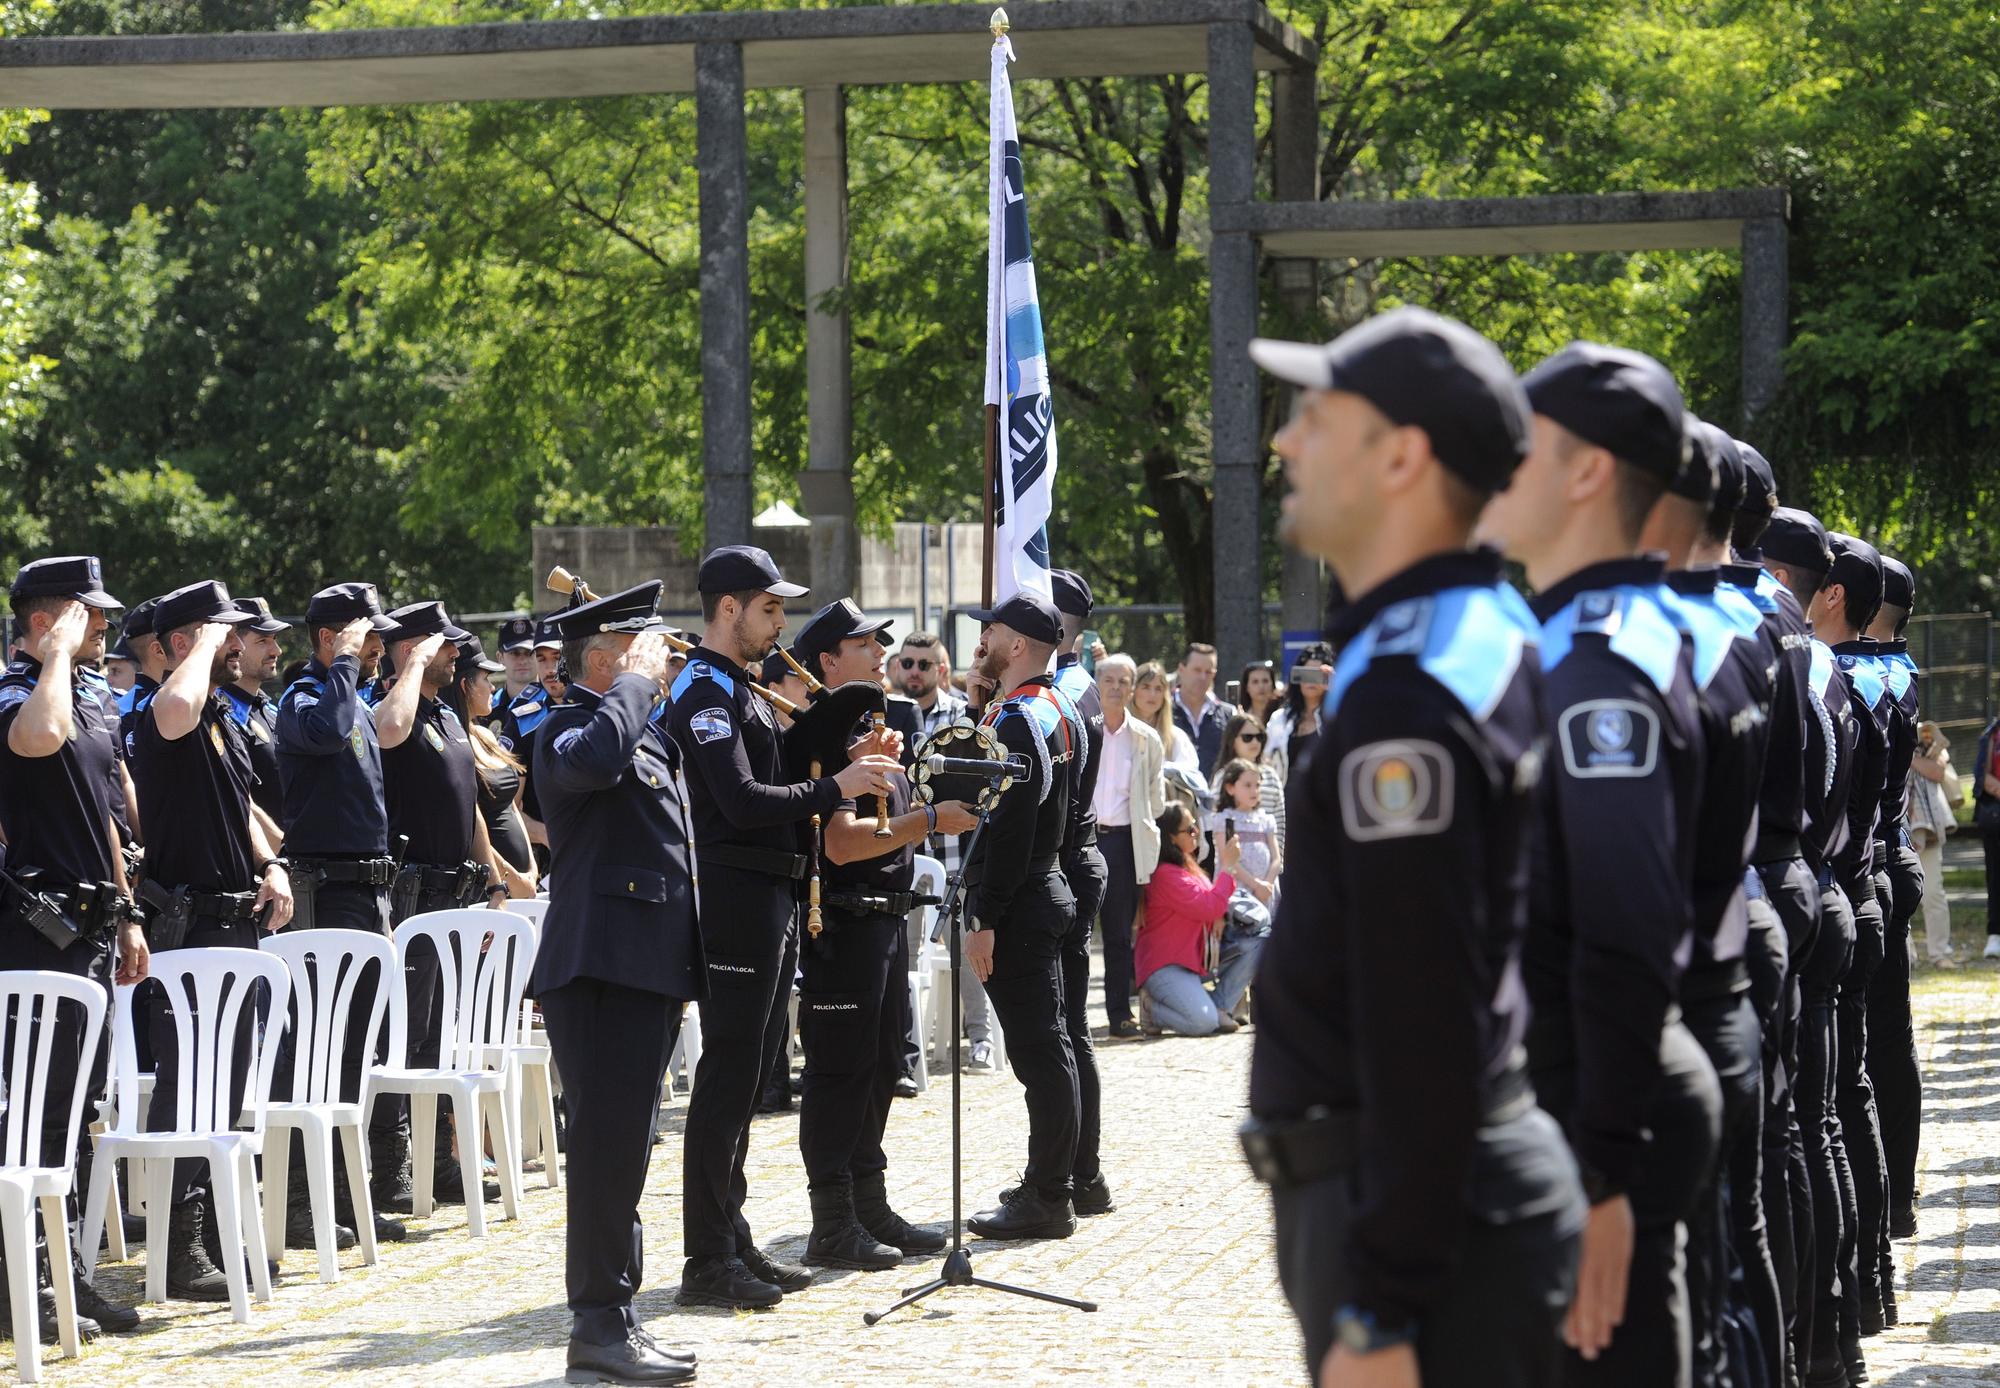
999	23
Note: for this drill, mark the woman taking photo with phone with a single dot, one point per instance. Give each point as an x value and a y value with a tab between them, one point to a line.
1293	727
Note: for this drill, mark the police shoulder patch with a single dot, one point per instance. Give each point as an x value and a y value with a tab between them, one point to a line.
565	740
1609	737
12	694
1396	789
711	724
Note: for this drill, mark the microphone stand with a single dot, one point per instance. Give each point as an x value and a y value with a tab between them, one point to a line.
957	1269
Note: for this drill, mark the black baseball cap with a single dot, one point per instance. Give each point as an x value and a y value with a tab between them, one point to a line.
1072	593
744	569
472	656
1858	568
138	622
517	634
1425	371
1709	474
775	670
1760	483
1623	401
1035	618
78	576
341	603
635	610
1797	537
416	620
547	638
263	621
833	624
1899	585
206	601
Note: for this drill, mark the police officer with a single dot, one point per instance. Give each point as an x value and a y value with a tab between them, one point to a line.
749	821
1611	921
517	653
136	637
212	876
855	987
430	788
1020	907
1418	799
254	712
522	718
619	958
57	763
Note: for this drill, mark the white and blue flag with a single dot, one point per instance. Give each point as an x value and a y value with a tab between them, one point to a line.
1017	365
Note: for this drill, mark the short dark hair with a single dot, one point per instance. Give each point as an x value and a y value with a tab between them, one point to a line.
1799	580
1636	492
1170	822
1858	607
926	639
711	603
25	608
1747	528
166	638
1195	648
1899	616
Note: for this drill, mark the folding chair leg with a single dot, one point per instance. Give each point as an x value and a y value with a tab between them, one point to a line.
17	1233
319	1176
357	1186
277	1184
159	1177
223	1170
55	1221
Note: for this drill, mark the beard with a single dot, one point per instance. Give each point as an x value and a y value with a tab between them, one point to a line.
752	649
993	665
227	669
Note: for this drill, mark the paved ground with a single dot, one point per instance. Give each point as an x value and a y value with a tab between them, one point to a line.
1182	1270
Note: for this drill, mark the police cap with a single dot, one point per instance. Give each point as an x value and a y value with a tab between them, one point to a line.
775	670
1899	585
1035	618
1623	401
1427	372
1072	593
635	610
547	638
1858	568
206	601
472	656
416	620
1710	472
833	624
341	603
1796	537
517	634
744	569
77	576
138	622
1760	483
263	622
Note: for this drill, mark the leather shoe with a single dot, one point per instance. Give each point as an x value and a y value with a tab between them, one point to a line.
786	1277
631	1360
1029	1215
1093	1197
906	1087
725	1282
679	1356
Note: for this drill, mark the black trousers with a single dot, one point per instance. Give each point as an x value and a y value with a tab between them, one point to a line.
610	1043
1655	1344
160	1115
1114	916
1768	956
1792	893
1026	990
345	906
1496	1324
1990	845
1860	1126
1826	1151
852	1006
1087	877
1892	1041
749	930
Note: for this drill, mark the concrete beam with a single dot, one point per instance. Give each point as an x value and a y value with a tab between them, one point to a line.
1232	320
725	294
871	45
827	487
1502	226
1766	312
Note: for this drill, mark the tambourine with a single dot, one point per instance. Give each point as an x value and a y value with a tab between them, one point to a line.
967	741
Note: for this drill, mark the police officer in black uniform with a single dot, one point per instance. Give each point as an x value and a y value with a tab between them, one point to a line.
1020	907
212	876
517	652
854	993
750	824
136	636
57	763
521	719
254	712
1427	1211
1611	918
620	957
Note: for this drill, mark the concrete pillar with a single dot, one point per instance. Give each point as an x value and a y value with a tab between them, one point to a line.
1766	312
725	293
1232	321
827	486
1295	176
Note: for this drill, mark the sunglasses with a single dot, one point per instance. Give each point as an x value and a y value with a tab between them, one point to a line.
912	662
1249	737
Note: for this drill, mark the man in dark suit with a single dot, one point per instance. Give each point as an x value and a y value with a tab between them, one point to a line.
620	956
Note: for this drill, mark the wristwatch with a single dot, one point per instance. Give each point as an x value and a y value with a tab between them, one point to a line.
1362	1332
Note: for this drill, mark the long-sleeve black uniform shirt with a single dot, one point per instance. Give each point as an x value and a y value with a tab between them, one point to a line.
331	765
1032	819
1781	803
1868	697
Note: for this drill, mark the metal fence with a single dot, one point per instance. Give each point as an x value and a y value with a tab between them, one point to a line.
1954	655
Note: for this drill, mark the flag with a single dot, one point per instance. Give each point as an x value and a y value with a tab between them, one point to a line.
1017	366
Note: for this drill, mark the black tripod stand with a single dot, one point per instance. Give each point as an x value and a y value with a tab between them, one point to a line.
957	1269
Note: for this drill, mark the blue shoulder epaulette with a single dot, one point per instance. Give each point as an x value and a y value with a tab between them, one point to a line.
238	705
371	693
1897	674
16	684
1469	640
1767	591
1635	620
1072	680
700	670
93	677
1866	677
1741	608
530	708
304	684
1903	659
1822	666
1710	631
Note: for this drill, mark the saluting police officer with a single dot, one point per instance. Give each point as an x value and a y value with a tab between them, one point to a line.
620	957
522	717
750	822
152	657
212	877
1611	919
1020	906
254	712
855	989
1427	1212
57	763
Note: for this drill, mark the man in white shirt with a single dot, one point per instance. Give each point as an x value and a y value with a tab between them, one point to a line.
1129	797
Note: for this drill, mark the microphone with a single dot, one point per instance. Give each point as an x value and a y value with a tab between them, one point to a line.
1017	767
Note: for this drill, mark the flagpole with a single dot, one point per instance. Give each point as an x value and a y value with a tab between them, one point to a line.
991	440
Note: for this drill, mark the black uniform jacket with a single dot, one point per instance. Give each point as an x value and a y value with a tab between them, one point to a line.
622	869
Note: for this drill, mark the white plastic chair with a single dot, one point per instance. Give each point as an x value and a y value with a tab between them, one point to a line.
116	1204
531	1093
686	1058
927	879
474	1025
327	968
208	990
30	1003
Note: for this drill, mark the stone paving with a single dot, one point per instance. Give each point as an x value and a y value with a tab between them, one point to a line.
1182	1271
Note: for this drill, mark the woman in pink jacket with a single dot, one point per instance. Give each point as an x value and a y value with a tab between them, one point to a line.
1184	911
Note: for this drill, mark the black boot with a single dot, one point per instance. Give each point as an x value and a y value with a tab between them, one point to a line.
211	1238
1029	1215
191	1274
45	1313
871	1207
299	1219
838	1240
389	1173
90	1303
786	1277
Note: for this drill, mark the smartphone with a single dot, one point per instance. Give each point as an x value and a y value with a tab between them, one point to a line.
1308	674
1228	830
1084	643
1232	693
